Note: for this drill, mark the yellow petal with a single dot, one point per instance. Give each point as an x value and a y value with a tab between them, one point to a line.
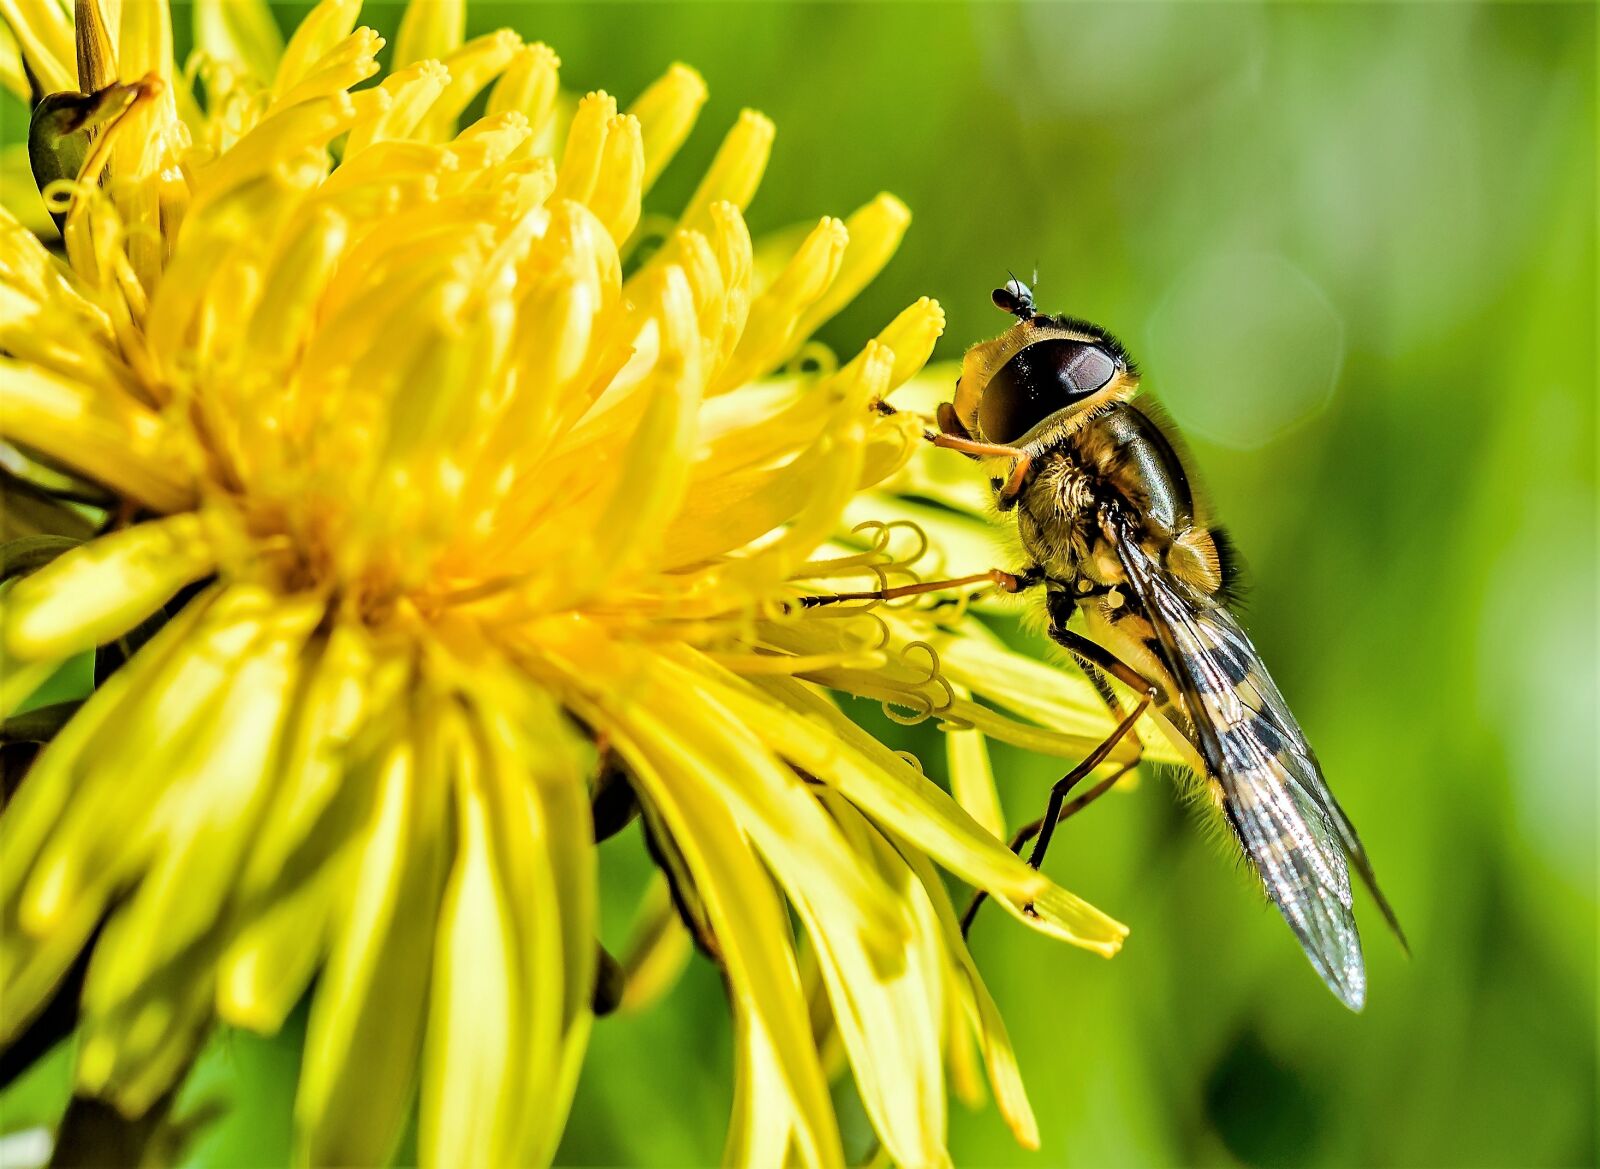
911	335
344	66
345	689
394	108
903	801
773	329
44	31
240	32
472	67
617	190
475	1083
529	86
323	27
666	113
112	441
972	779
366	1025
430	28
754	935
889	1015
586	139
125	800
266	968
1005	1077
100	590
715	758
734	174
762	1130
210	803
29	965
875	232
658	949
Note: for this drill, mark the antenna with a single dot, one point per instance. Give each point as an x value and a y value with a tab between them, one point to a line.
1015	298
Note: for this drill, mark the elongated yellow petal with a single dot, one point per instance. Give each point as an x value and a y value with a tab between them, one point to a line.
241	32
972	779
875	232
30	965
266	968
529	86
475	1082
472	67
1004	1075
108	833
212	801
889	1015
395	108
430	28
44	31
100	590
618	186
762	1131
344	66
323	27
654	476
366	1025
707	749
905	802
666	113
345	689
753	934
116	442
911	335
735	172
773	328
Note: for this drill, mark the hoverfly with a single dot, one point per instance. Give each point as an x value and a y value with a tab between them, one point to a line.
1110	525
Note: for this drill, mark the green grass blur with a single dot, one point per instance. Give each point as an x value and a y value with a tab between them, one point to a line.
1354	247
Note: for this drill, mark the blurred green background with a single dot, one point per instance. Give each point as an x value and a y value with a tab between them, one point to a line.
1355	248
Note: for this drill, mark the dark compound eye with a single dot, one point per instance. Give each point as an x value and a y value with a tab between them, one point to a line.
1045	377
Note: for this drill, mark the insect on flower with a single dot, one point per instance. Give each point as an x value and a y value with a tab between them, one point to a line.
1113	533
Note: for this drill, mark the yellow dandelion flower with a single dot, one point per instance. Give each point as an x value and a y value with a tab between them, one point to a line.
446	496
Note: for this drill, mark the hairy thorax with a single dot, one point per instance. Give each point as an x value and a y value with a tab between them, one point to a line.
1055	515
1117	462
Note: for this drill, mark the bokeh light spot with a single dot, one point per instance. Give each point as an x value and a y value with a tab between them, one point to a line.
1242	347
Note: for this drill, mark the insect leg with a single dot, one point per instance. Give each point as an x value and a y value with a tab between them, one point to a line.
1095	658
1007	582
1101	658
1058	794
1011	491
978	450
1058	809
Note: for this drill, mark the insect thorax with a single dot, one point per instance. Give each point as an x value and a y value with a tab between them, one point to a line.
1056	515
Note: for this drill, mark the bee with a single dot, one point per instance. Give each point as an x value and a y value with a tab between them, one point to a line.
1114	536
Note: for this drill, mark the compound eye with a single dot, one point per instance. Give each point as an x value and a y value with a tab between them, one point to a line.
1045	377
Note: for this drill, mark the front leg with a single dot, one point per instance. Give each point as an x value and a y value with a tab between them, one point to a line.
1011	490
955	437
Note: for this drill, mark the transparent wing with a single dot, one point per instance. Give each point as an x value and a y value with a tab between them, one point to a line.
1273	793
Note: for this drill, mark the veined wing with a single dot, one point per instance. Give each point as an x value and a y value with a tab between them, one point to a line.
1273	793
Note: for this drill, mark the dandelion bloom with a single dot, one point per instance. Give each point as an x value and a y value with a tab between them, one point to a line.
439	489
